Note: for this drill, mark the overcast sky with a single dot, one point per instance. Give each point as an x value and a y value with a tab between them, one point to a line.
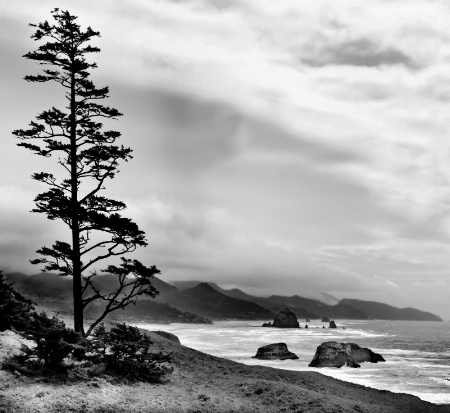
279	146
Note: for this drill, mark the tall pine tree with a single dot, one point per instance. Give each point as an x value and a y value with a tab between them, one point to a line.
88	156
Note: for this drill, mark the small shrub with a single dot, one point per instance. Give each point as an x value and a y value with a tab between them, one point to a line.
61	353
15	309
125	352
54	343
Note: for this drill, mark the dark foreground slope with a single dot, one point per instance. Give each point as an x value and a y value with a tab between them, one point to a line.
204	383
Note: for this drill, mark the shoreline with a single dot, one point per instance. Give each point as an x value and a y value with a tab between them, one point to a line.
406	371
203	383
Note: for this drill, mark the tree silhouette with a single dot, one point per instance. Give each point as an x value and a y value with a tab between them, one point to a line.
88	156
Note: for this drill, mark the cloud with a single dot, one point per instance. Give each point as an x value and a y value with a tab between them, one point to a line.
299	142
355	52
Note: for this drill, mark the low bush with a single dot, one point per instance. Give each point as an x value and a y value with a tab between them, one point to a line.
60	353
54	343
125	352
15	309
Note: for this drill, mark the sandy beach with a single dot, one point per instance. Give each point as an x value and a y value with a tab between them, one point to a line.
200	383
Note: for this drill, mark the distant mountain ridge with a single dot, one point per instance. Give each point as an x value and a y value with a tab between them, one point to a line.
346	308
375	310
205	300
193	301
316	308
50	291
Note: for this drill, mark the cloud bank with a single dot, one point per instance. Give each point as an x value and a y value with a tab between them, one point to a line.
279	146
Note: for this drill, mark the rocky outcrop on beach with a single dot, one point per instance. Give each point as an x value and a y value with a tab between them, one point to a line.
332	324
277	351
286	319
333	354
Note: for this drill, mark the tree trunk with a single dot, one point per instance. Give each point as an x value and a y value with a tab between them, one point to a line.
76	262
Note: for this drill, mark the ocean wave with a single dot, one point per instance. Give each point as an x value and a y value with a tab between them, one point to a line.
436	398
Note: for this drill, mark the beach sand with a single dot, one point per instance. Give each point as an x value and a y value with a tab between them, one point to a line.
200	383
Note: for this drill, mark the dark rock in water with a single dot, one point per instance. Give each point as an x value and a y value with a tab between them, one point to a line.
307	320
168	336
325	320
306	326
286	319
333	354
267	325
277	351
332	324
323	326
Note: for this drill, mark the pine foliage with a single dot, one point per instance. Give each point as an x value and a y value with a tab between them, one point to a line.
88	156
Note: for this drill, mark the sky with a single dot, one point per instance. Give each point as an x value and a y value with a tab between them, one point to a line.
279	147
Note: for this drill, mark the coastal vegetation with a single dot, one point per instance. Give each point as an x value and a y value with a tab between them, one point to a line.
58	352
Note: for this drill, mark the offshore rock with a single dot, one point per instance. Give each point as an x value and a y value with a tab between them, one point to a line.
333	354
277	351
267	325
286	319
307	320
332	324
325	320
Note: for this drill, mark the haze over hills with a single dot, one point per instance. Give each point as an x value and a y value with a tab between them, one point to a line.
193	301
235	292
50	291
388	312
329	306
206	300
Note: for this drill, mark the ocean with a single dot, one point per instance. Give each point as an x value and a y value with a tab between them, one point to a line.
417	353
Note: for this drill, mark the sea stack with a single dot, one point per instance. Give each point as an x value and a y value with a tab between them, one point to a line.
286	319
325	320
277	351
333	354
332	324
